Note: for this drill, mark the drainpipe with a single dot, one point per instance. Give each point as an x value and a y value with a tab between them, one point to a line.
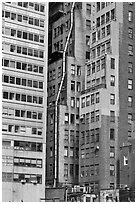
56	103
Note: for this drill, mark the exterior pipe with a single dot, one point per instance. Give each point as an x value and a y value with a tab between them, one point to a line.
56	103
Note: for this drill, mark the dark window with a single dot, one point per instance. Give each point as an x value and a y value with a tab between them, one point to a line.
24	35
18	81
24	82
30	21
20	18
19	34
30	36
5	95
18	65
18	49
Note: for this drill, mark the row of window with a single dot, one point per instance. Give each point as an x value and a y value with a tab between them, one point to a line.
94	116
27	162
90	136
22	81
102	5
75	86
91	152
69	152
71	136
75	71
23	18
28	146
94	98
89	170
22	97
22	34
32	5
101	50
95	82
94	170
90	117
21	113
21	161
20	177
21	129
105	18
22	50
69	170
99	64
100	34
22	66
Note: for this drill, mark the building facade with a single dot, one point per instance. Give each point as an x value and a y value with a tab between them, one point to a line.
24	95
107	105
69	33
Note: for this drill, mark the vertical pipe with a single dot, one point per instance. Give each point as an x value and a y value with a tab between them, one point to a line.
56	103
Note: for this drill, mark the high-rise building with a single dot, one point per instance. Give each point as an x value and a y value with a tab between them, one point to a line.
107	105
69	35
24	85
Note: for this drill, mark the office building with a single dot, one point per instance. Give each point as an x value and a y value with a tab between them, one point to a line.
107	105
24	95
69	35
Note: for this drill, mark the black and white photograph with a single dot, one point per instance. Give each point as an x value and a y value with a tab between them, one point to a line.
68	101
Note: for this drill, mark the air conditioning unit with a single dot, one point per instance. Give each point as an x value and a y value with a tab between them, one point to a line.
81	117
23	181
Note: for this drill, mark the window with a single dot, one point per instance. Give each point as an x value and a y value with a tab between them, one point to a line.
112	63
87	100
71	169
98	65
130	118
112	116
72	85
66	118
88	8
102	5
72	102
98	6
112	134
87	55
107	17
130	50
108	47
72	118
112	152
78	86
102	19
125	160
97	115
19	18
87	118
130	84
93	37
5	95
98	51
112	99
129	134
112	80
112	170
12	80
97	97
130	16
98	21
88	24
78	70
13	16
92	116
103	32
71	152
103	49
83	102
92	99
130	101
112	14
98	34
66	170
12	48
88	69
87	40
93	53
97	135
130	33
108	29
73	69
130	67
30	21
